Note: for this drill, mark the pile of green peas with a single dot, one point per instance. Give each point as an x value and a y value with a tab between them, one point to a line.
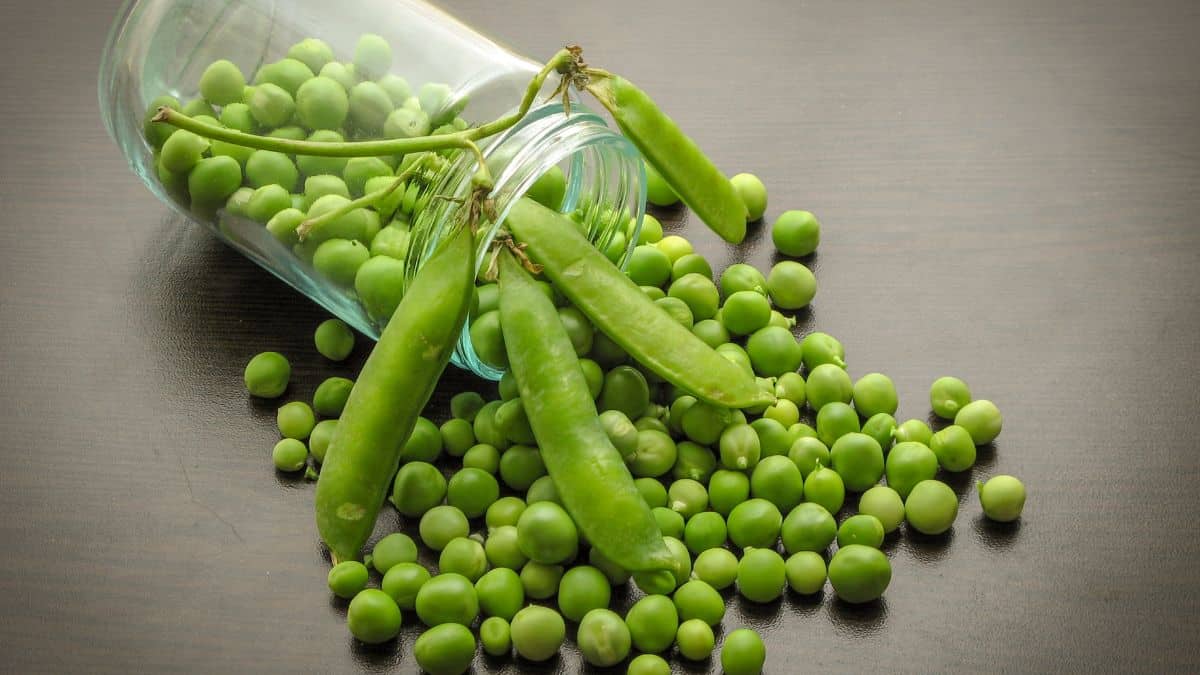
750	499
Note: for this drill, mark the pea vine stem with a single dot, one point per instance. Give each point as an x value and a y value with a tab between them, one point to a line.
465	139
369	199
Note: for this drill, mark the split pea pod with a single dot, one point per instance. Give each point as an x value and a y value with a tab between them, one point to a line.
592	480
627	315
390	393
689	172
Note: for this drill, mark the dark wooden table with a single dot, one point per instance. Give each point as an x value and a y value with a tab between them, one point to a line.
1009	193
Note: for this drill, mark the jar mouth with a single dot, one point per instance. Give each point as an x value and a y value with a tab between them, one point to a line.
605	188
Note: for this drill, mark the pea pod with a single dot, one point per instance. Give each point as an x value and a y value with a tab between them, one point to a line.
689	172
392	389
592	480
627	315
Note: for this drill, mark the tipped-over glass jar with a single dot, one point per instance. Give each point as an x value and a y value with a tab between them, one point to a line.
402	68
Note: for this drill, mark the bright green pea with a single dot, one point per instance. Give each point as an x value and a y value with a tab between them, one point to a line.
198	107
862	529
727	489
874	393
500	593
859	573
319	439
265	167
652	623
704	531
649	266
543	490
295	420
791	285
359	170
762	575
658	192
403	581
447	598
488	340
954	448
743	653
334	339
705	424
828	383
392	550
711	332
579	329
625	389
520	466
736	355
773	351
495	636
352	225
696	291
678	310
540	581
754	523
504	511
825	487
1002	498
373	617
914	430
692	263
158	132
287	73
502	549
652	230
695	640
773	437
267	201
311	52
271	105
687	497
742	277
482	456
235	205
213	179
655	455
372	56
740	447
745	312
675	247
680	571
805	572
981	419
331	395
289	455
652	491
947	396
909	463
885	504
442	524
783	411
546	534
931	507
777	480
267	375
801	430
698	600
858	459
581	590
182	150
752	193
796	233
341	73
821	348
537	633
465	405
318	186
290	132
315	166
368	105
670	522
379	283
790	386
347	578
447	649
472	491
716	567
603	638
419	487
549	188
881	427
808	527
222	83
807	453
464	556
693	461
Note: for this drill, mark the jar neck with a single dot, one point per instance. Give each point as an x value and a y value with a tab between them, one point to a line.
605	189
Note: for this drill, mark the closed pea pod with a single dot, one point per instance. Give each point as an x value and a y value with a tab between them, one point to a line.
392	389
622	311
593	481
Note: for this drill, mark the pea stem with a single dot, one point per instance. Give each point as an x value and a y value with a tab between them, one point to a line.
369	199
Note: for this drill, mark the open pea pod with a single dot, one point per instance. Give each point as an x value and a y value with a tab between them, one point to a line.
625	314
689	172
592	480
390	393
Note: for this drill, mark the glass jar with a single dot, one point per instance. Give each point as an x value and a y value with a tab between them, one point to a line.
161	47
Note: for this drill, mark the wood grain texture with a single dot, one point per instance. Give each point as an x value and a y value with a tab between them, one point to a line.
1008	192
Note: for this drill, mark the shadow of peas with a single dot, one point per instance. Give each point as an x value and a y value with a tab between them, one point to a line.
858	619
996	536
927	548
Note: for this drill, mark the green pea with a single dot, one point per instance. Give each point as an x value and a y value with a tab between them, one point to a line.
745	312
442	524
419	487
339	259
579	329
711	332
373	617
716	567
697	291
520	465
790	386
649	266
858	459
808	527
801	430
885	504
807	453
652	491
290	132
743	653
677	310
675	247
615	574
828	383
652	230
735	354
796	233
606	352
513	422
742	277
316	166
687	497
287	73
495	636
447	598
931	507
540	581
773	437
318	186
488	340
777	480
698	600
182	150
694	462
546	534
368	105
359	170
658	192
465	405
704	531
342	73
670	522
655	454
695	640
653	292
805	572
652	623
705	423
267	375
502	549
752	193
353	225
330	397
954	448
157	132
379	283
649	664
783	411
825	487
537	633
761	575
543	490
754	523
504	511
334	339
822	348
773	351
198	107
1002	498
424	443
295	420
235	204
213	179
347	578
881	427
625	389
859	573
271	105
778	319
874	393
549	188
311	52
392	550
500	593
692	263
319	439
603	638
907	464
740	447
403	581
947	396
862	529
981	419
727	489
447	649
581	590
464	556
